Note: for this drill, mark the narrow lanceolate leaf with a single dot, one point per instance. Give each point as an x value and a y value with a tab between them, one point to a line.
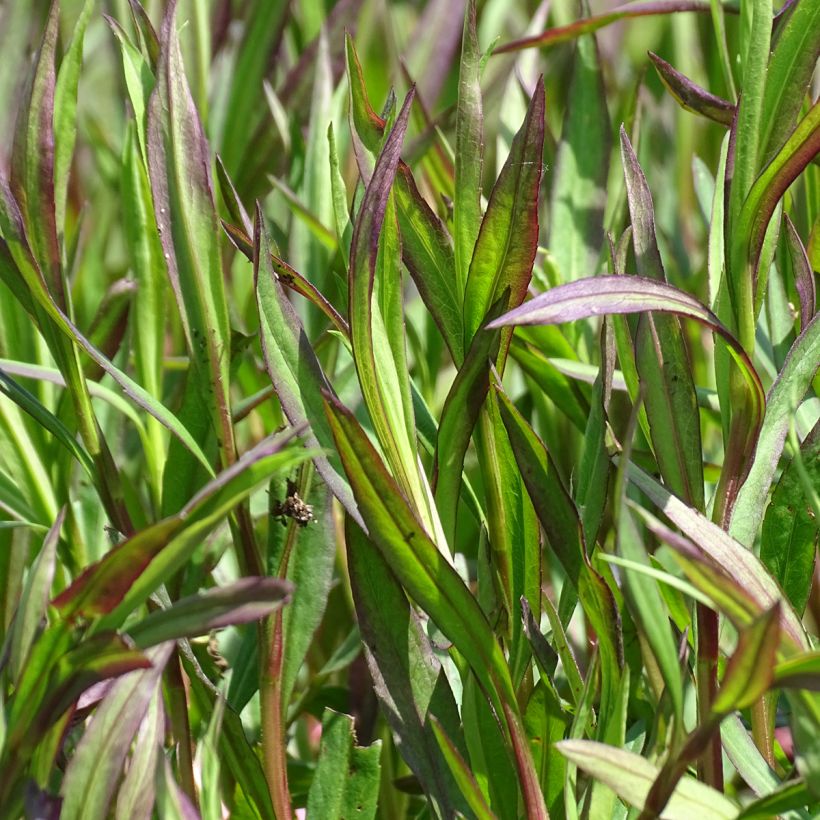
179	170
789	537
507	242
32	165
377	327
458	419
631	776
461	771
803	274
733	559
469	150
604	295
785	395
407	677
799	149
427	249
660	355
293	367
690	96
96	765
750	671
578	195
346	781
414	559
128	574
34	601
791	65
248	599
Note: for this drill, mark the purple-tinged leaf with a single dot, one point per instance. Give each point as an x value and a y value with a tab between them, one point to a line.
293	367
407	677
631	776
125	577
462	773
750	670
738	564
586	25
33	604
96	766
801	147
245	600
32	166
660	355
803	274
233	203
785	395
605	295
146	32
469	150
690	96
458	419
135	797
508	240
789	535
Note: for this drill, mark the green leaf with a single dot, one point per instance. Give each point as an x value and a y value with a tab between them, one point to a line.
461	771
660	355
792	383
180	175
789	537
96	766
346	781
406	674
293	367
34	600
65	113
750	671
469	157
248	599
578	193
507	242
630	776
128	574
415	560
791	796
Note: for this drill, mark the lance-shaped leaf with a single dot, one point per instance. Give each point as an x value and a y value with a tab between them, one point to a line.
507	242
293	367
129	573
179	170
469	156
377	324
631	776
690	96
346	780
785	394
96	766
34	601
32	163
586	25
789	537
750	671
801	147
731	558
406	674
415	560
458	419
578	194
660	355
803	274
247	599
427	249
562	524
604	295
791	65
462	773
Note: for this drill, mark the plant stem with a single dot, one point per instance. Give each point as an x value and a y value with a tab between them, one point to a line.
710	766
